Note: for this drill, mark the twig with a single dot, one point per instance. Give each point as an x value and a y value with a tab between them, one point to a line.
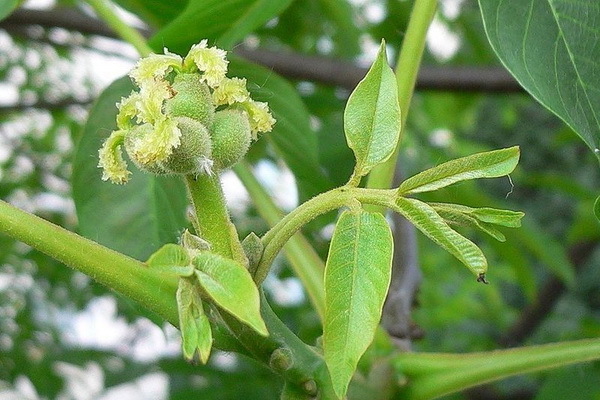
293	65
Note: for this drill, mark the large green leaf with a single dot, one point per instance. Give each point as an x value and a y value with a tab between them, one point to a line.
154	12
428	221
357	277
230	285
227	22
7	7
490	164
292	136
372	116
552	47
135	218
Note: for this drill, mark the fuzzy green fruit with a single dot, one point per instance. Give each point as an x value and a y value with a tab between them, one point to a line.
231	137
135	134
192	99
194	151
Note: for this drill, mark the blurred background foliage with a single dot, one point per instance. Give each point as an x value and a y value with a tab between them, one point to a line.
63	336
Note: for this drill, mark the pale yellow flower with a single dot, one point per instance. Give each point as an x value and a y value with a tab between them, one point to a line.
231	91
261	119
155	66
111	160
209	60
127	110
157	145
150	100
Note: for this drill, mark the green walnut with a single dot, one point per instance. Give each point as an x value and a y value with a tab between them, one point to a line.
192	99
231	137
193	152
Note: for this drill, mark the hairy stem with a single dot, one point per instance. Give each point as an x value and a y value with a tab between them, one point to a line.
406	70
215	227
276	238
127	276
305	261
106	11
211	212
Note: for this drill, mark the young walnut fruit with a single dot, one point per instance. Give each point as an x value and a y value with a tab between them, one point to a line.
172	126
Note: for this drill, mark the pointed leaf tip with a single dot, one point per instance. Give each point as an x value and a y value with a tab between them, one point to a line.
372	116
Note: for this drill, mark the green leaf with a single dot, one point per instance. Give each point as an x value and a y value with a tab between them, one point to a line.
372	116
227	22
428	221
491	164
454	217
357	277
173	258
597	208
551	48
293	138
230	285
7	7
196	334
508	218
154	12
136	218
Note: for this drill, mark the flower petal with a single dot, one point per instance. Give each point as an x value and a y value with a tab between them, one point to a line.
209	60
111	160
231	91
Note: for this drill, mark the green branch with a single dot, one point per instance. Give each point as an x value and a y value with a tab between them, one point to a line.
433	375
406	71
303	258
276	238
132	278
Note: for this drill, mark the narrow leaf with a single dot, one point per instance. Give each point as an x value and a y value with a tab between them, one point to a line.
454	217
508	218
491	164
173	258
136	218
597	208
357	277
428	221
196	334
551	47
372	116
230	285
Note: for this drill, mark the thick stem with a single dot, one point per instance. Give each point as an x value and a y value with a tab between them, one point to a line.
303	258
129	34
433	375
407	68
154	289
276	238
215	226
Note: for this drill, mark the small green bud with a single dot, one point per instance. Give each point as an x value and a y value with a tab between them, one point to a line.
194	152
192	99
253	247
231	136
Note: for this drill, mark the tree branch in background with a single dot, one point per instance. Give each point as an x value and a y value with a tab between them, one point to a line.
293	65
45	105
